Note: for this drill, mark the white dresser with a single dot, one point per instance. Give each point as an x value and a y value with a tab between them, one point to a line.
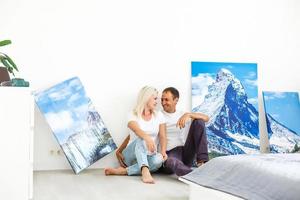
16	143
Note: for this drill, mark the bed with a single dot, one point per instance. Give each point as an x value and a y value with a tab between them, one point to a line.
259	176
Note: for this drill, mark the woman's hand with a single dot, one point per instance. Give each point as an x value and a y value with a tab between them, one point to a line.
164	155
120	158
150	144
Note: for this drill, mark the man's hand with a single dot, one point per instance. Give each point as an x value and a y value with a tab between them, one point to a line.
182	120
150	144
120	158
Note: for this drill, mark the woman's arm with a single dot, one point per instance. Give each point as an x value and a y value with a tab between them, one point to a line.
163	140
133	125
119	151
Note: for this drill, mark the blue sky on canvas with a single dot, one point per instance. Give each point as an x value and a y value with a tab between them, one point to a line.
65	107
245	72
284	107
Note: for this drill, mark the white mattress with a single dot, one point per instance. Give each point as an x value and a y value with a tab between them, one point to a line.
260	176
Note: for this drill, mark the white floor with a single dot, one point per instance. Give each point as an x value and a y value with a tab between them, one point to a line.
93	184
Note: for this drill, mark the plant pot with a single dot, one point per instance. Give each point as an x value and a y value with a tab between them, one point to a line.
4	76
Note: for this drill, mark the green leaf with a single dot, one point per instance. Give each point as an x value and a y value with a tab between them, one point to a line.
1	59
4	42
8	66
5	63
11	70
12	63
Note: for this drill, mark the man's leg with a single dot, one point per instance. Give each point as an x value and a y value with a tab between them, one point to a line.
196	143
174	163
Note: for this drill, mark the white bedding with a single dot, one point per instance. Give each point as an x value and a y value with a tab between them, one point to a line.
260	176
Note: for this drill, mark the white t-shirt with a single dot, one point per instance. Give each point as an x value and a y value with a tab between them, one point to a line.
175	135
151	127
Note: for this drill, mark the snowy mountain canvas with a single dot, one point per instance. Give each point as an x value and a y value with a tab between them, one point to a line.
76	124
282	111
227	93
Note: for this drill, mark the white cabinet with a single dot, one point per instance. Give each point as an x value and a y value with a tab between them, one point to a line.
16	143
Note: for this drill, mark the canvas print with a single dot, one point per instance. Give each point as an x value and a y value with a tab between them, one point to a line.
282	111
77	126
227	93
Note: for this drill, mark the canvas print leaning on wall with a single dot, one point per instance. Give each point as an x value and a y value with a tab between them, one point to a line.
77	126
282	111
227	93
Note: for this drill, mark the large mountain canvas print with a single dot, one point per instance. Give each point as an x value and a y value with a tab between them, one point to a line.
227	93
77	126
282	111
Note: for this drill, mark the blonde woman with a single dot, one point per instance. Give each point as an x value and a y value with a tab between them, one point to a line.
139	153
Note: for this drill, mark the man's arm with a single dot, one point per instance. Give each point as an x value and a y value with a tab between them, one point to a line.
202	116
182	120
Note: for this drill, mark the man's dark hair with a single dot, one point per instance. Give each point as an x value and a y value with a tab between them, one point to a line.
173	91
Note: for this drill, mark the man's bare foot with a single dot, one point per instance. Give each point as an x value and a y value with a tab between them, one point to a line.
146	176
200	163
115	171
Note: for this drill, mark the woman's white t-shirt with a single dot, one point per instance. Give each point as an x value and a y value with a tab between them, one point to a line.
151	127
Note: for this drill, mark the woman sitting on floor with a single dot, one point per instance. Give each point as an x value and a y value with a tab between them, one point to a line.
146	130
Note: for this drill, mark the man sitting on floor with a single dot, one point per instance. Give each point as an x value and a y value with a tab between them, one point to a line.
186	136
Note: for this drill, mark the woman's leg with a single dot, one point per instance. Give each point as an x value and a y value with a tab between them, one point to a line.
129	159
115	171
141	166
129	154
141	153
135	157
135	151
155	162
142	161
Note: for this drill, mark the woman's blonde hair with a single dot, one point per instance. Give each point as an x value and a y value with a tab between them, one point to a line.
143	97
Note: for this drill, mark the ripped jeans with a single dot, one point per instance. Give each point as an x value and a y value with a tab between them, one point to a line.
136	156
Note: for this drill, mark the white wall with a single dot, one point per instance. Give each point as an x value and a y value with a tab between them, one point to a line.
116	47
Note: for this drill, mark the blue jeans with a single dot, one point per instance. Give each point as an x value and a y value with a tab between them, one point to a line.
135	157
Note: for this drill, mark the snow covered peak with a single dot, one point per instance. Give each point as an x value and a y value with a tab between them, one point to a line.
233	120
282	139
224	74
200	85
214	100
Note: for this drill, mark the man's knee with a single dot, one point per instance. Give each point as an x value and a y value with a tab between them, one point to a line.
170	165
171	162
198	124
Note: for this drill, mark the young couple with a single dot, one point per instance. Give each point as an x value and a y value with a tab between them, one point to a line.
169	140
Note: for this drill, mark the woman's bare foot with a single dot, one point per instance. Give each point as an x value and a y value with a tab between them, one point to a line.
115	171
146	176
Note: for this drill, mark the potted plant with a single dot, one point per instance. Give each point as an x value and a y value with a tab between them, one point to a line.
9	67
7	62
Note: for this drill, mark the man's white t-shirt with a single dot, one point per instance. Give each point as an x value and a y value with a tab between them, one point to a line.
175	135
151	127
